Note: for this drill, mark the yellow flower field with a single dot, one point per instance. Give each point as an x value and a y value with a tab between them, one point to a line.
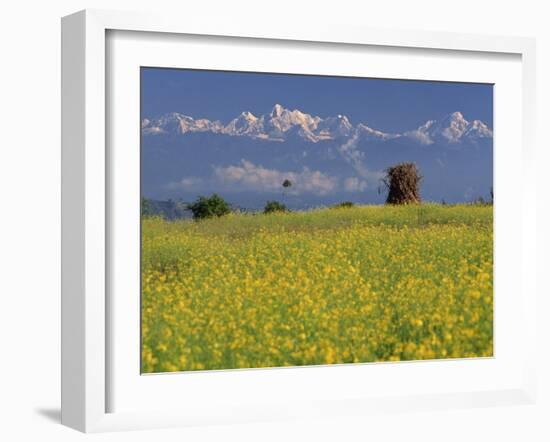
330	286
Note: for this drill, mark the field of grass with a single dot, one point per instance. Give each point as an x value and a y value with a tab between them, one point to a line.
362	284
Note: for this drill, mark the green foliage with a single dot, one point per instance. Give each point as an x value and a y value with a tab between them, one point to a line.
147	208
209	207
343	205
275	206
480	201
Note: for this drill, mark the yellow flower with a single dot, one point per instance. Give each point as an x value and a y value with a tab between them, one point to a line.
363	284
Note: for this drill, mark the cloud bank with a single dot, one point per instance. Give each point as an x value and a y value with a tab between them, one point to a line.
249	176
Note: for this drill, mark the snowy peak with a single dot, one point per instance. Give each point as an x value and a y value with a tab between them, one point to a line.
453	128
282	120
368	132
478	129
276	111
179	123
282	123
455	118
338	126
245	124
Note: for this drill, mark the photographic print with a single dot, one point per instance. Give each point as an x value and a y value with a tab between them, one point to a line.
298	220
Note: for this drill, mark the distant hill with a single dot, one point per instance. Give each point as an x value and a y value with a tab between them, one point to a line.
166	209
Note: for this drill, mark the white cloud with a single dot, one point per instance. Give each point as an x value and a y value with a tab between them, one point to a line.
354	184
248	176
421	136
356	158
190	183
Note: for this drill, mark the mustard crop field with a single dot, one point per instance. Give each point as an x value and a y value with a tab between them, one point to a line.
328	286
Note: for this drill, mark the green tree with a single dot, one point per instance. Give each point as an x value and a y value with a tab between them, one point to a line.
343	205
209	207
147	208
275	206
286	184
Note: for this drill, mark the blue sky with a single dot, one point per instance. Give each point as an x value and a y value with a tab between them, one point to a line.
247	171
388	105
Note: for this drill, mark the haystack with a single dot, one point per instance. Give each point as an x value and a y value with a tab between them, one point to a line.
403	182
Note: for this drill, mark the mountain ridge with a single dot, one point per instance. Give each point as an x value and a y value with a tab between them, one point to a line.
280	123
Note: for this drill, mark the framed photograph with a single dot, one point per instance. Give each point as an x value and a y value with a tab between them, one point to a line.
262	222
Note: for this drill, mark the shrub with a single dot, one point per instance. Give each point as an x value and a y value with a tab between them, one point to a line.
209	207
147	208
344	205
275	206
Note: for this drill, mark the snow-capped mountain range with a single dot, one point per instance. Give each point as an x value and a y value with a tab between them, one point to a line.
281	124
328	159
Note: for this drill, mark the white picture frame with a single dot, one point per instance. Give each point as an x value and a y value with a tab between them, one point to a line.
86	206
